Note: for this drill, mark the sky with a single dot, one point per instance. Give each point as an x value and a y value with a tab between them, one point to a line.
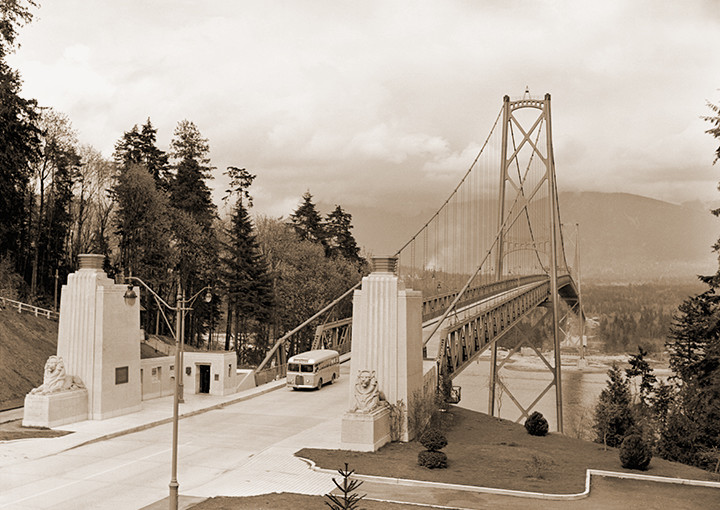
381	106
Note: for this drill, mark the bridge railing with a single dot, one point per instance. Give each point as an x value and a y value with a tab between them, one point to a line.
24	307
436	306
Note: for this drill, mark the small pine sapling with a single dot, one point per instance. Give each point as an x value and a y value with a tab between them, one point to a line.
348	500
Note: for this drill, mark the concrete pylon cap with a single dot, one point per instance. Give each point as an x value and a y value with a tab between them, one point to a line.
384	264
91	261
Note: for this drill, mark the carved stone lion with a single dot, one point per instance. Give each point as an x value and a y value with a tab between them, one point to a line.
55	379
367	396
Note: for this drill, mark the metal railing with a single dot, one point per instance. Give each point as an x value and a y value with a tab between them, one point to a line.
24	307
267	375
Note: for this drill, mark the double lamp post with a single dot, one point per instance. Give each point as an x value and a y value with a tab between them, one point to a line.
182	306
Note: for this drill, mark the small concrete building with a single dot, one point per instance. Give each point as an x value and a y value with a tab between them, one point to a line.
210	372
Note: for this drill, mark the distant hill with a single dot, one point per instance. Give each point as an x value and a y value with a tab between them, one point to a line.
623	237
630	238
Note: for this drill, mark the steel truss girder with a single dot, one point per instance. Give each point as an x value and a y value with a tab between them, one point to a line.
462	342
334	335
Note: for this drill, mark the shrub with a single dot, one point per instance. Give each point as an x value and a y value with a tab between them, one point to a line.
433	440
432	460
635	453
536	425
421	408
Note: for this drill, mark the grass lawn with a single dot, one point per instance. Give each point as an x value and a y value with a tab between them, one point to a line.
491	452
287	501
13	430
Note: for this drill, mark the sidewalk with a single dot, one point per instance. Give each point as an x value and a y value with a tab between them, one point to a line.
154	412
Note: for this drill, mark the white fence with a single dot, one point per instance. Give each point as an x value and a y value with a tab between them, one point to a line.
23	307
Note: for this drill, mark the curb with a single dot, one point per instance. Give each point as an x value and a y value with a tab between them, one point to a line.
521	494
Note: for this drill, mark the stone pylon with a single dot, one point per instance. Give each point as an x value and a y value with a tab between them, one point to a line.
99	339
387	337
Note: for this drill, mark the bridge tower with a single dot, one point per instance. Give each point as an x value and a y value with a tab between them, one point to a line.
516	191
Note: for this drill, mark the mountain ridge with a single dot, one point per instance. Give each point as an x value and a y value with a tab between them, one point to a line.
624	238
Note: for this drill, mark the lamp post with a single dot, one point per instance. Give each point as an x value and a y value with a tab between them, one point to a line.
181	306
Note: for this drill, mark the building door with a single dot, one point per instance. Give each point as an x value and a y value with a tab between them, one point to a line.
204	374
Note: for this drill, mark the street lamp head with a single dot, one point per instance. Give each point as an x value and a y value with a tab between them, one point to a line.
130	295
208	296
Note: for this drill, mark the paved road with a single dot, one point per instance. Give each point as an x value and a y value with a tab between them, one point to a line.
220	452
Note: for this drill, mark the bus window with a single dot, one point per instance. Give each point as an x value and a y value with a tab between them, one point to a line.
307	368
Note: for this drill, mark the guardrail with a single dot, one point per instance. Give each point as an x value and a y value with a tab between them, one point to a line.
24	307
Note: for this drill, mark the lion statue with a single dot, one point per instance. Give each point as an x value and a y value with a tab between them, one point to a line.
367	396
55	379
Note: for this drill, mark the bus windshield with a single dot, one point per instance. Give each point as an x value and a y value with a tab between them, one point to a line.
297	367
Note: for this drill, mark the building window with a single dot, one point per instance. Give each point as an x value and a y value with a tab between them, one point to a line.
121	375
217	377
156	374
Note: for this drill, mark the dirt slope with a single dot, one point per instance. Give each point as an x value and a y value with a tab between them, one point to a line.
26	342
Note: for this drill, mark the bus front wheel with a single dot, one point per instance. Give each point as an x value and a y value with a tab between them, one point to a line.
319	384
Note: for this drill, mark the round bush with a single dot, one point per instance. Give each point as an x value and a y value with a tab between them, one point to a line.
432	460
536	424
433	440
635	453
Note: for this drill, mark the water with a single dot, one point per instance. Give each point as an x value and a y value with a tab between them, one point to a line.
580	392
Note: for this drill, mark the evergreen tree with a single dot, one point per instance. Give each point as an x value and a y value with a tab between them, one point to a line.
142	224
138	147
613	415
640	367
339	239
18	136
695	330
188	191
195	236
692	427
249	287
307	221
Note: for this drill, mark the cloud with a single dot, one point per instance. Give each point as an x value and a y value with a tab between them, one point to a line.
385	104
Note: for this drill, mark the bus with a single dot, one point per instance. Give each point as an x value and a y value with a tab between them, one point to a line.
312	369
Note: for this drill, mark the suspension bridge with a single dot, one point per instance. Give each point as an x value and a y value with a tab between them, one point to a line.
489	261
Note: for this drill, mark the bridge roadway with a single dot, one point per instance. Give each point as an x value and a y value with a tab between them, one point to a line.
245	448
